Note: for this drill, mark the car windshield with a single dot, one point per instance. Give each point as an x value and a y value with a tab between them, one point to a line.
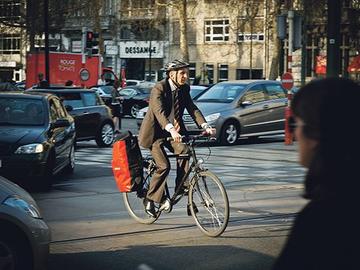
221	93
21	111
195	91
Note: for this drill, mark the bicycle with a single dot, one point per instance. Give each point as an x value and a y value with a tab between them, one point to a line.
207	198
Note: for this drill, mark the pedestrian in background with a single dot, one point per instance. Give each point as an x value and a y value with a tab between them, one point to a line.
325	234
116	107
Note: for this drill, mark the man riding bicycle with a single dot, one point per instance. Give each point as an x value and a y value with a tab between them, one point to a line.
168	100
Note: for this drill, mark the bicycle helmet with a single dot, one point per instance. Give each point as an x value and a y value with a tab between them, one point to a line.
175	65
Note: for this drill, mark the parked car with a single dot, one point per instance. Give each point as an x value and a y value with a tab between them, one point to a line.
37	138
8	86
93	119
195	92
243	108
134	99
24	235
104	91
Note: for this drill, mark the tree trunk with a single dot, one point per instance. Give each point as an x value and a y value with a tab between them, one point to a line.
274	66
184	49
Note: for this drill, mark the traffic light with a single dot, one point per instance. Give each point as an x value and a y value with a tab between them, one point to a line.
91	42
89	39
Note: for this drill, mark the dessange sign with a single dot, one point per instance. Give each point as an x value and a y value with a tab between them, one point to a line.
141	49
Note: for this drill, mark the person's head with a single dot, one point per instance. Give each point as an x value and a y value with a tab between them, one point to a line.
41	76
177	71
325	112
69	83
33	110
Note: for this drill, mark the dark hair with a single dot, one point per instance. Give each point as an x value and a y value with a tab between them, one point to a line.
329	110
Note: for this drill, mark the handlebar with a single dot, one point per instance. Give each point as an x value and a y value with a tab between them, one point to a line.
193	138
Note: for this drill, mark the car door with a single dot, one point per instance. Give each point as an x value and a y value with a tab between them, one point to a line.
277	103
83	114
253	111
61	136
91	115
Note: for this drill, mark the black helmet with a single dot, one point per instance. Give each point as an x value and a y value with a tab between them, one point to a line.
175	65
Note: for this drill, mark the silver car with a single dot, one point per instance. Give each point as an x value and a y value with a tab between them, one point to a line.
24	235
242	108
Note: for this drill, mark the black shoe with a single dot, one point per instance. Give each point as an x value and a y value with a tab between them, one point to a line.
150	208
189	211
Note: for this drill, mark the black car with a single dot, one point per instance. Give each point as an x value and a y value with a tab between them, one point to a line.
93	119
134	99
243	108
37	137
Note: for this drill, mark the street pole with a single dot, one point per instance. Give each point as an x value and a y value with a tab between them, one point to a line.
46	33
288	135
150	61
333	38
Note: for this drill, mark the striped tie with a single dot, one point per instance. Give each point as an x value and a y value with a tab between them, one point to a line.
176	111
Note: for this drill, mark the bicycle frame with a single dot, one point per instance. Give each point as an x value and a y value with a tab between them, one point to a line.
193	167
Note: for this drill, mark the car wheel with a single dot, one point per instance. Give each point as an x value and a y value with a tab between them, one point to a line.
230	133
134	110
15	252
105	135
71	166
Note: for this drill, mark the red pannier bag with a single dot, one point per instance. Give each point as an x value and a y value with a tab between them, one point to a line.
127	162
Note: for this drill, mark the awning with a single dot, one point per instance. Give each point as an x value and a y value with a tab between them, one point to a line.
354	66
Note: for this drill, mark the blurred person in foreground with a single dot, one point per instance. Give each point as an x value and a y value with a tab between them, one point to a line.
326	234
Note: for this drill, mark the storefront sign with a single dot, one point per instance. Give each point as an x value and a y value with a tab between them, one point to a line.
8	64
141	49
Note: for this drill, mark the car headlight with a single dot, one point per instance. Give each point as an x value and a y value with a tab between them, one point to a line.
212	117
22	205
30	149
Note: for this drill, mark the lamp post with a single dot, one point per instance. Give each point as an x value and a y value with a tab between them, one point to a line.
46	33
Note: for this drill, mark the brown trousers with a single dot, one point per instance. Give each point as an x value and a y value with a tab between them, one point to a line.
158	181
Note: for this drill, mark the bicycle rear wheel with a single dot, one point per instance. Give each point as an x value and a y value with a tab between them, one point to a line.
134	203
209	204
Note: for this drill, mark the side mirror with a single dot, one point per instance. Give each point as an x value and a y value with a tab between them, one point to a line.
60	123
69	108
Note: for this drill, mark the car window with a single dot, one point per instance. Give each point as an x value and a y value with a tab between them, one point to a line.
60	108
21	111
54	114
255	94
275	91
221	93
89	99
128	92
106	89
72	99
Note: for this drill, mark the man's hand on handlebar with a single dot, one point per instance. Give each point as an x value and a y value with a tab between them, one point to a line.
175	135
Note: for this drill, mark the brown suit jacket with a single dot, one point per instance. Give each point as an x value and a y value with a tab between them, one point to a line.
160	106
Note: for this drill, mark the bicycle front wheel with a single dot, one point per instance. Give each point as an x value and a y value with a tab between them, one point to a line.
209	203
134	203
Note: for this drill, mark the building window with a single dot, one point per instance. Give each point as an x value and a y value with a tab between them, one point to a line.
244	74
10	10
223	73
210	73
216	30
9	44
247	37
